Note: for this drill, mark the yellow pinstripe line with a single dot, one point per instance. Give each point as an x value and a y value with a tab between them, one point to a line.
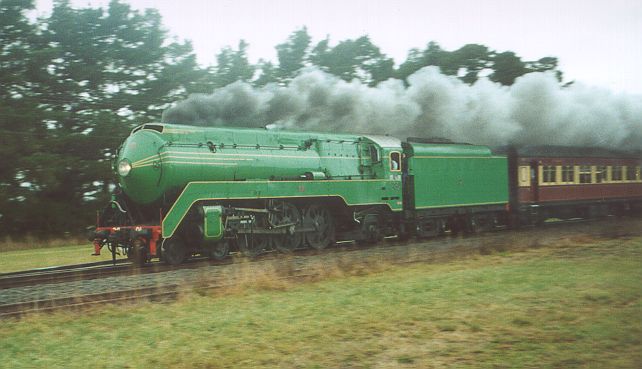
135	166
149	160
198	154
240	154
469	204
302	181
458	157
145	159
184	162
175	130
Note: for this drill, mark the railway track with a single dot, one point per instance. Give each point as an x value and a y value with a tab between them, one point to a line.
122	267
308	265
63	273
164	293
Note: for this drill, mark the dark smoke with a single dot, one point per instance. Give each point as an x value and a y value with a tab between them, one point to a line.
535	110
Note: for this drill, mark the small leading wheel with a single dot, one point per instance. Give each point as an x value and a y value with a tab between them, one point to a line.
252	245
174	251
320	219
138	252
219	250
287	215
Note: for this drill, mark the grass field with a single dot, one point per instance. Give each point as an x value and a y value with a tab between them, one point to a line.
575	304
11	261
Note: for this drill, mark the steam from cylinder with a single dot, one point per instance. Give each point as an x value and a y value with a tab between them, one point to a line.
534	110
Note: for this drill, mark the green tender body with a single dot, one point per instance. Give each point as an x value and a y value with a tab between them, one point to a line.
456	175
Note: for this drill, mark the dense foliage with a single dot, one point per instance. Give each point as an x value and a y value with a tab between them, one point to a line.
75	82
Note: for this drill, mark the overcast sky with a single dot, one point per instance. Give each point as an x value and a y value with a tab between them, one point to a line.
598	42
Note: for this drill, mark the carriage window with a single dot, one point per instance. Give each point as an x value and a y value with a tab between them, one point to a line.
395	161
568	173
585	174
600	173
549	174
630	173
616	173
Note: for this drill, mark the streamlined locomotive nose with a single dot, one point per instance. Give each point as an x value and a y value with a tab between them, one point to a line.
139	166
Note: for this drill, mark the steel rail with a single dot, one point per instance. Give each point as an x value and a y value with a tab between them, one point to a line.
124	267
62	268
89	271
433	249
166	292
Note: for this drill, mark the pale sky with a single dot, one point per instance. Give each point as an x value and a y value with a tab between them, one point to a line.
599	43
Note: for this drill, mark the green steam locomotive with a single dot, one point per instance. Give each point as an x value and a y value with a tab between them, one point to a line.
186	190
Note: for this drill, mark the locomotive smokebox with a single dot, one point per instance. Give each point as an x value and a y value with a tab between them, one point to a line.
139	166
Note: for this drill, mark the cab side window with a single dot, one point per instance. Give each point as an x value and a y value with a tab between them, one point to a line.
395	161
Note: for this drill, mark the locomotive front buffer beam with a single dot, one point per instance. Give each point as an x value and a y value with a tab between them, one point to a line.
137	242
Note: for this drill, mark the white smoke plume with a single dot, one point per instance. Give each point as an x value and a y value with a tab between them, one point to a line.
534	110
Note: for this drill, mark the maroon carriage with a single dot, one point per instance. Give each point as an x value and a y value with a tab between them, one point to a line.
567	182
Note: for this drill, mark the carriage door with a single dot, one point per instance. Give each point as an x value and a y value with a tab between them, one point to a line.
534	182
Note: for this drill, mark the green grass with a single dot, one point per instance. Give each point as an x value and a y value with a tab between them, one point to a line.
30	242
577	304
11	261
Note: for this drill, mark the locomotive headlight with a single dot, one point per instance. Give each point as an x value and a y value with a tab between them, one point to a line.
124	167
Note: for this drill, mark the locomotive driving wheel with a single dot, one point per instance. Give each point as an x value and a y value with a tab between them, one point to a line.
286	215
320	218
174	251
219	250
371	230
252	245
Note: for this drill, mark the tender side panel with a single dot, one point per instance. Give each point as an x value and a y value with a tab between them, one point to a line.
353	192
461	177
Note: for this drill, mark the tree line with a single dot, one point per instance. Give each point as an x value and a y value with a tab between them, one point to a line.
74	83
